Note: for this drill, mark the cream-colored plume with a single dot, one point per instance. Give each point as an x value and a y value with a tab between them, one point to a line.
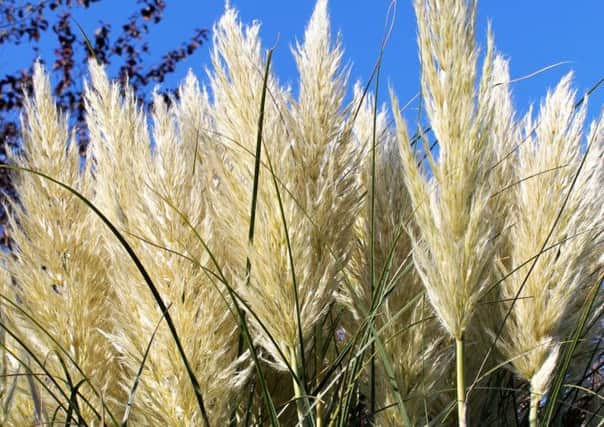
59	268
453	245
155	201
545	201
310	150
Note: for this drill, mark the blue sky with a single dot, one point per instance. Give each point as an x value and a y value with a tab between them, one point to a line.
533	34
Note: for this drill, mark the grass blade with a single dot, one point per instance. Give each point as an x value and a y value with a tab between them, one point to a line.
558	380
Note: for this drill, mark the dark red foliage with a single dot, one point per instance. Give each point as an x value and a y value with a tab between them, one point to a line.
23	22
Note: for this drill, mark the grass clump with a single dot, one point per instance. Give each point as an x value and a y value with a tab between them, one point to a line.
241	256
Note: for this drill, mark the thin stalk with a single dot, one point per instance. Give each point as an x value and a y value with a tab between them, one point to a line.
319	411
461	385
533	417
299	394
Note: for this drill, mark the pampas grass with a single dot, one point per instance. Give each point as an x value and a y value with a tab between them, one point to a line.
550	297
58	271
455	202
238	255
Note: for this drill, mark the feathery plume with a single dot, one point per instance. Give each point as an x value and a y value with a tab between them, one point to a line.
156	203
549	298
307	145
58	268
454	202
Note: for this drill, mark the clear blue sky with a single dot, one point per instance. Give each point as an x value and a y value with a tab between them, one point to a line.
533	33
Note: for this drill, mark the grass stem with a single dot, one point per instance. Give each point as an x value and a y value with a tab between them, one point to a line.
299	393
533	413
319	411
461	385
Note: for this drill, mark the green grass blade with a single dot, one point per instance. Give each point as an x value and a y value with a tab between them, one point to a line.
58	346
252	226
298	377
27	367
385	358
86	40
36	398
73	405
372	398
569	350
10	396
258	154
